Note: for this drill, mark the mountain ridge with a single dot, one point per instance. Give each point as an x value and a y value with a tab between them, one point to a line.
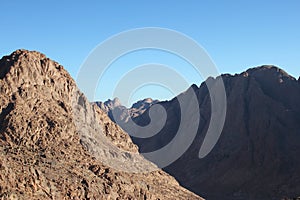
46	152
256	155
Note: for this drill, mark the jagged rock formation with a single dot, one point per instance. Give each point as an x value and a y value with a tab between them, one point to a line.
47	133
257	155
123	113
141	106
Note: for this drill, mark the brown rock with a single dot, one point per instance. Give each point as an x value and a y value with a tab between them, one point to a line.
43	154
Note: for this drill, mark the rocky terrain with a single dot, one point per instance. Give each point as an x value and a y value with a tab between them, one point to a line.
54	144
257	155
123	113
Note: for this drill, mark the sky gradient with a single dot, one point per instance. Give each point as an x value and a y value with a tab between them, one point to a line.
236	34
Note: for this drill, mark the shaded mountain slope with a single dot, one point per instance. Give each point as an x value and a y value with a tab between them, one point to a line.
257	155
45	126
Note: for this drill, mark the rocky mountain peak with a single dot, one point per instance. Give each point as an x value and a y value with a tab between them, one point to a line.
267	69
46	129
269	72
20	57
113	103
144	104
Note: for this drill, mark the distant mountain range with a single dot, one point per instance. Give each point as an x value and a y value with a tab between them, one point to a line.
257	155
124	113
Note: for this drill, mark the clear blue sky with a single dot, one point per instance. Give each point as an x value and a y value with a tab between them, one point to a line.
237	34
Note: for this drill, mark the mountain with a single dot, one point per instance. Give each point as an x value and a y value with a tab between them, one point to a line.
257	154
54	144
123	113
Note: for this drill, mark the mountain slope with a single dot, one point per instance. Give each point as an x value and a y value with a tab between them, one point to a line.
47	133
257	155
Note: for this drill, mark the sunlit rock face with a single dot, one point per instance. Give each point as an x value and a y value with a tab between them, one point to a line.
47	133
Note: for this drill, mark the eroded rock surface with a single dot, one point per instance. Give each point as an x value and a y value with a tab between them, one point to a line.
47	133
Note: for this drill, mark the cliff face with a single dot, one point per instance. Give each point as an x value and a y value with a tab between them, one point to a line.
257	155
46	129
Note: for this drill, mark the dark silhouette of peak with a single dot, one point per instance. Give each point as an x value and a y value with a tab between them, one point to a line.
257	155
269	70
194	86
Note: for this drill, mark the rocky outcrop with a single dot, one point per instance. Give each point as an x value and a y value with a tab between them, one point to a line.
114	108
55	145
141	106
257	155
